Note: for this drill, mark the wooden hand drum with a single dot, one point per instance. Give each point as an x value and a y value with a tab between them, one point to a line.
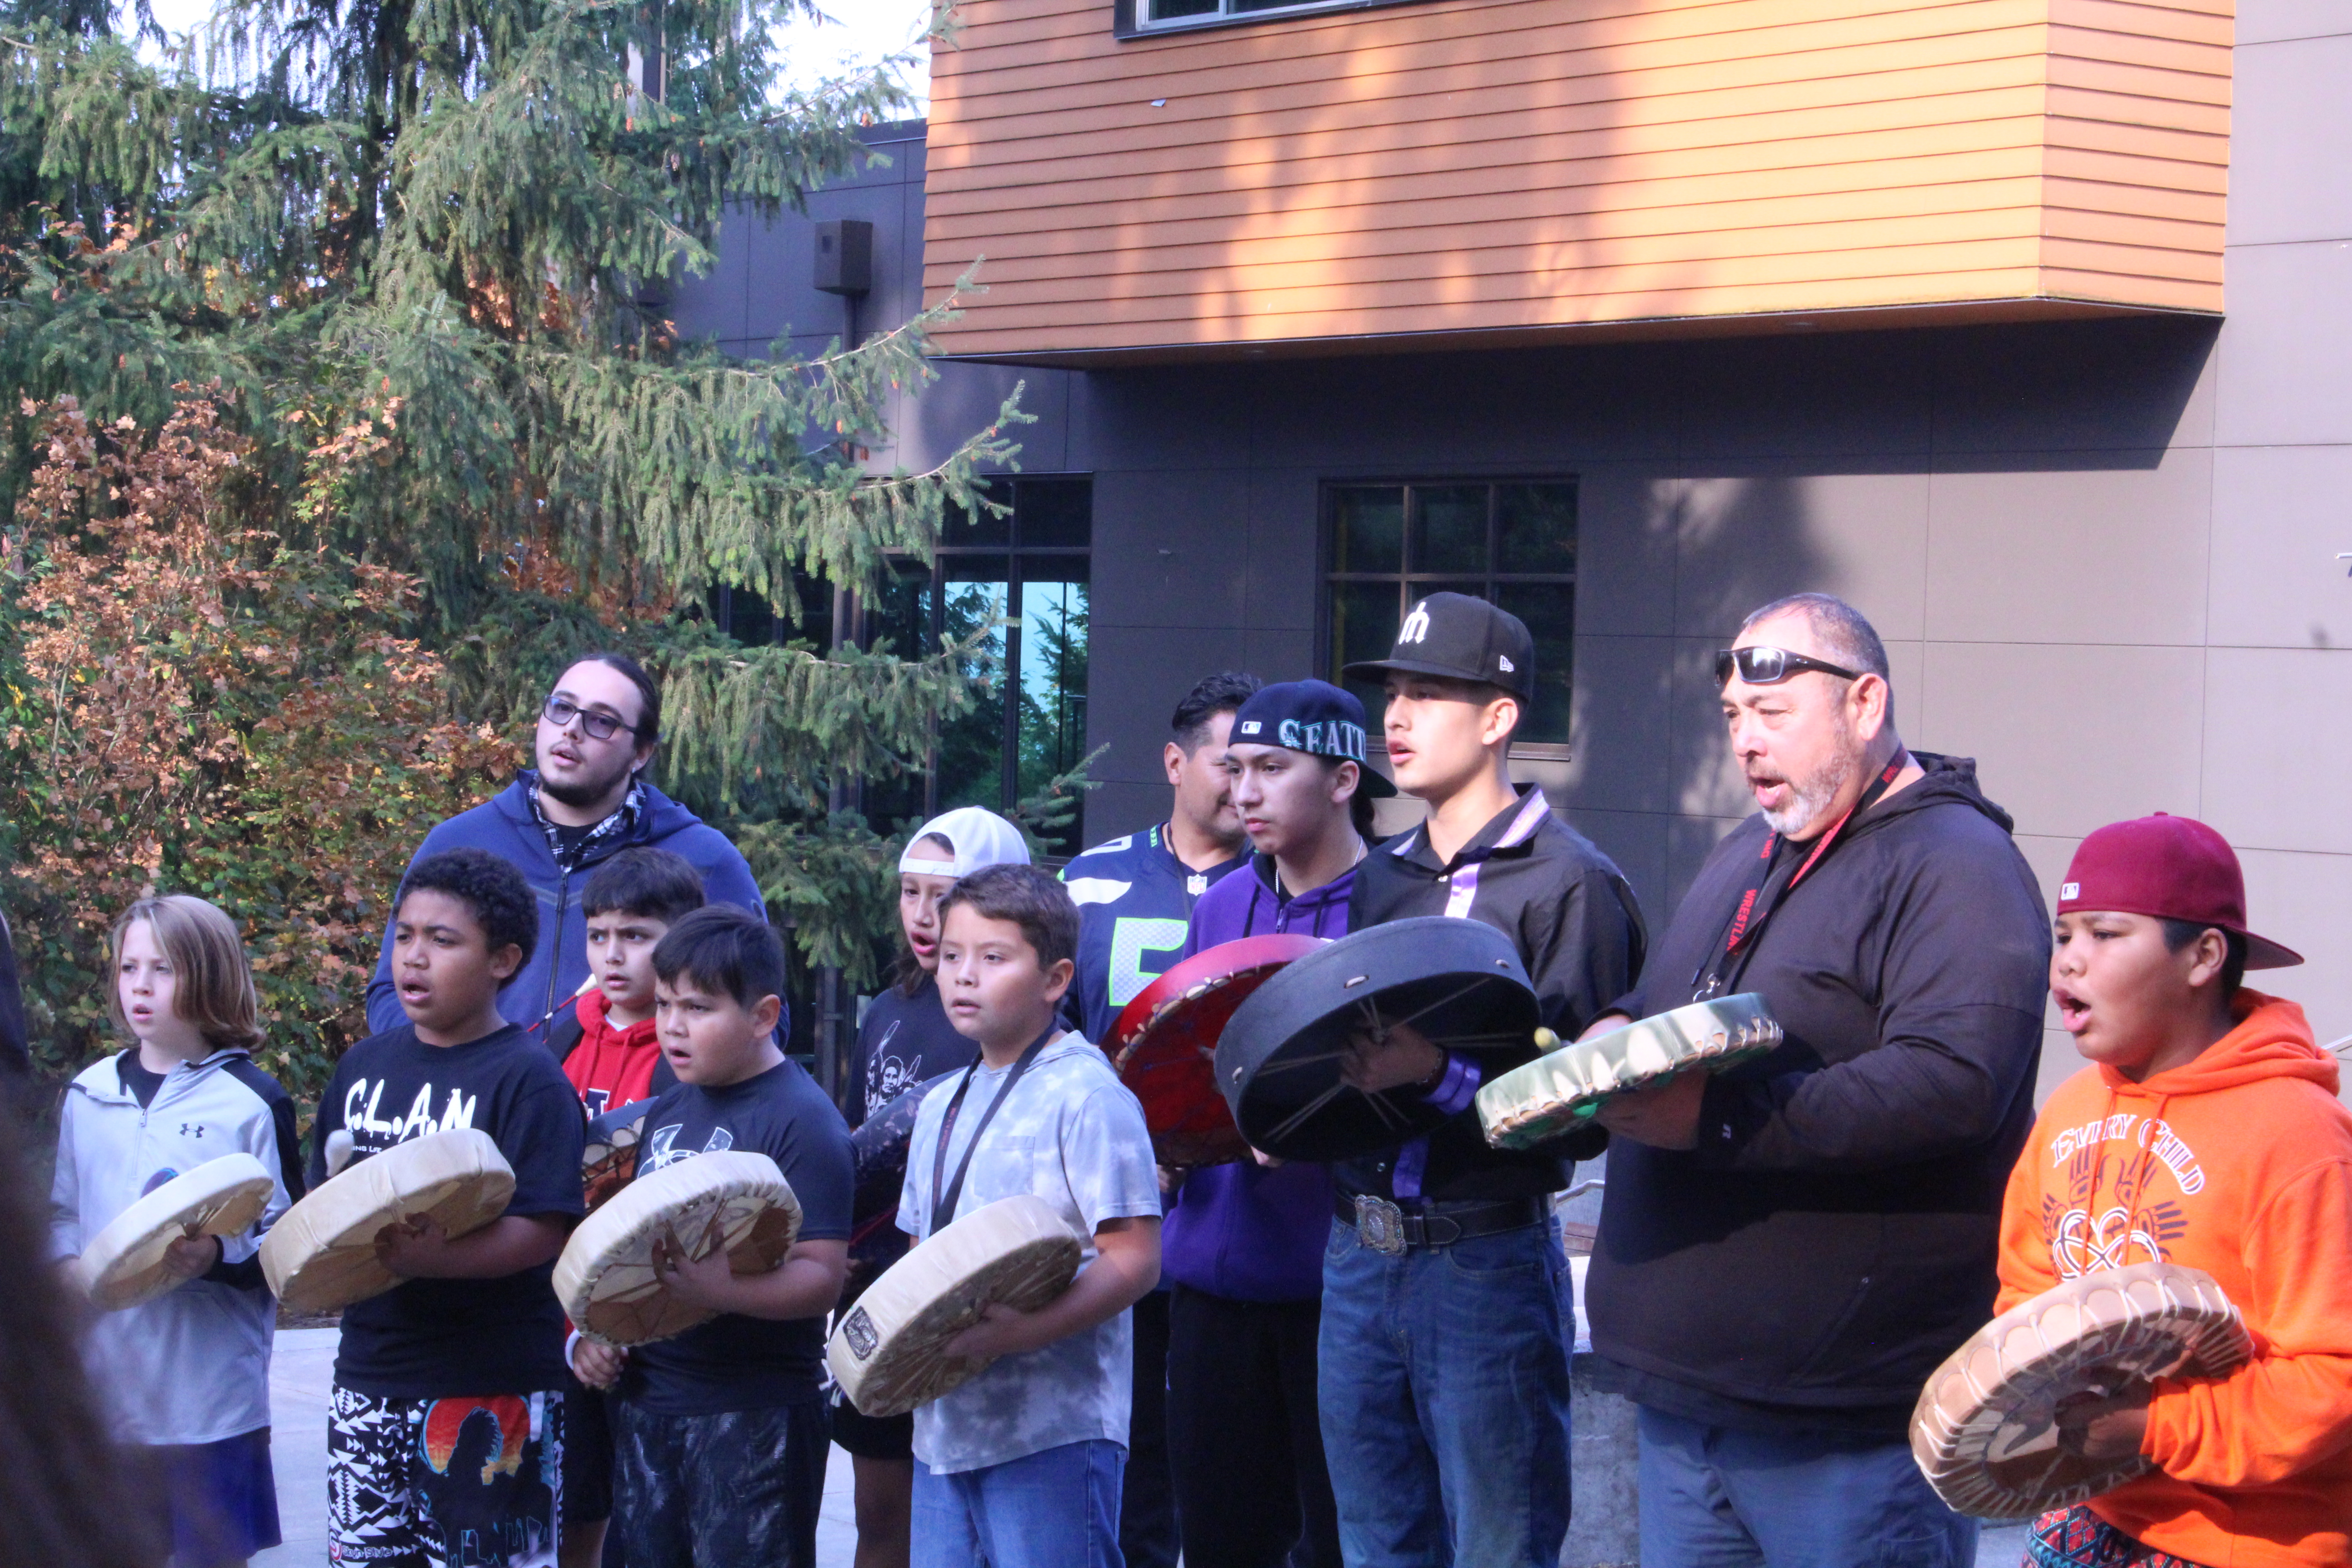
1457	981
1164	1044
1560	1090
1985	1431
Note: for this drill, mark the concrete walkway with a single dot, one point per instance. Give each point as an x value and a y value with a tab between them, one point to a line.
303	1366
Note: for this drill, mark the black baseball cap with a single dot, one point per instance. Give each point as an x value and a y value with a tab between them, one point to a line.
1312	716
1460	639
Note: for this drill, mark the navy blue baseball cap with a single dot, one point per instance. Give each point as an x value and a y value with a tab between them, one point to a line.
1312	716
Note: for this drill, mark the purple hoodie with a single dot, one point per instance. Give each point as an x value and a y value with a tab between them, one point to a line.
1244	1231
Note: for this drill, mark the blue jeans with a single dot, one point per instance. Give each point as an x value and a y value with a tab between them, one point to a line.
1445	1401
1715	1498
1057	1508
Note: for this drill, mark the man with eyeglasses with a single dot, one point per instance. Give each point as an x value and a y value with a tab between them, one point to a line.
1789	1249
586	799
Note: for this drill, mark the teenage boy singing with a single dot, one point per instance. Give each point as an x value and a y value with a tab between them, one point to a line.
1020	1467
1444	1387
2205	1133
721	1430
1245	1241
444	1437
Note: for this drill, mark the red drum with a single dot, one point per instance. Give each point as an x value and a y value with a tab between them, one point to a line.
1164	1044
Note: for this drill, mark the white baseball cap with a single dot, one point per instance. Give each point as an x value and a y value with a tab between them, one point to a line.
981	838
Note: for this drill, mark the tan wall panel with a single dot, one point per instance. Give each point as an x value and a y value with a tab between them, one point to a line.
1605	161
1568	214
1466	166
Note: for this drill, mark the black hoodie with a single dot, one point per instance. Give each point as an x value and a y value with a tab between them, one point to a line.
1833	1236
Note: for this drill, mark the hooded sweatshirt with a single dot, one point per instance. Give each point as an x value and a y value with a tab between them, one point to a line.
611	1068
556	968
2240	1163
193	1364
1833	1235
1245	1231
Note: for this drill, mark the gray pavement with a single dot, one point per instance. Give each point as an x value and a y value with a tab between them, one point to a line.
303	1366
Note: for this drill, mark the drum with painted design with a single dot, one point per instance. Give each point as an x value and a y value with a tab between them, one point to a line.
1164	1044
1985	1431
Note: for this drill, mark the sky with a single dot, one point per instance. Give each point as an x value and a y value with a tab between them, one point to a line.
856	31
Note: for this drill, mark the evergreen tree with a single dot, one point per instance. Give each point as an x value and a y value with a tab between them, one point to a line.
467	211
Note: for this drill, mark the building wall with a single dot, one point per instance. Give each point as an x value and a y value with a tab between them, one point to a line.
1505	166
2102	553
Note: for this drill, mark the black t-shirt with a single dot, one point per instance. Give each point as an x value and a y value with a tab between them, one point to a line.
902	1041
733	1362
433	1338
137	1081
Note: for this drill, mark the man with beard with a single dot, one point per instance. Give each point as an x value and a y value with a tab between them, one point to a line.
1789	1249
587	800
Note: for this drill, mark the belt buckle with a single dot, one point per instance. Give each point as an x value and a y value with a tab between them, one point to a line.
1380	1225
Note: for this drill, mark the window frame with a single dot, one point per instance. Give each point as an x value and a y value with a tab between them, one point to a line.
1015	553
1128	21
1327	520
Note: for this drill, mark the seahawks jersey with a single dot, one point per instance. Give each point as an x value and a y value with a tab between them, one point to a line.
1135	900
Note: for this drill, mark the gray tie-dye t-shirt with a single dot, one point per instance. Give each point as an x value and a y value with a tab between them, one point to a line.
1074	1136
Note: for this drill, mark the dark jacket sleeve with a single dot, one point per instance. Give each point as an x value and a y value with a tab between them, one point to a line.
384	1009
1963	975
1584	950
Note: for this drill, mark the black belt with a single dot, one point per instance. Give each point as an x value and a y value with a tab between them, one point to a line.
1390	1228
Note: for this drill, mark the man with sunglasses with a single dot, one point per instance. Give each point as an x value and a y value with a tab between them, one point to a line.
586	799
1789	1247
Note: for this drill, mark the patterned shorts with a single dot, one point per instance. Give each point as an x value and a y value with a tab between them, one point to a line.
472	1483
2077	1538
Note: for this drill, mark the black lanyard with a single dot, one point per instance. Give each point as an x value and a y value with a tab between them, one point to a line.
943	1204
1745	925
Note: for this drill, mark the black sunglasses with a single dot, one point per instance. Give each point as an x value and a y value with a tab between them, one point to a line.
1770	665
560	712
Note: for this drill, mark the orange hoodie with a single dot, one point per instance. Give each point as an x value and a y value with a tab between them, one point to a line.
2239	1164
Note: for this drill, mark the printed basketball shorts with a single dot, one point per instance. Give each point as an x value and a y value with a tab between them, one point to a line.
2077	1538
470	1482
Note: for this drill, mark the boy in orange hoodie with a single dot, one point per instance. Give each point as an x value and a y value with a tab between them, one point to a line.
2205	1133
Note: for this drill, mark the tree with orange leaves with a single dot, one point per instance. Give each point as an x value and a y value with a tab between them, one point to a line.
195	706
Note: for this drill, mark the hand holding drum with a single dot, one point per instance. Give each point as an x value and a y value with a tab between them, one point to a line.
1562	1090
616	1276
325	1252
1999	1428
136	1258
888	1353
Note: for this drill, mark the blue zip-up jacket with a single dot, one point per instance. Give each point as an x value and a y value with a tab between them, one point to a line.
506	827
1244	1231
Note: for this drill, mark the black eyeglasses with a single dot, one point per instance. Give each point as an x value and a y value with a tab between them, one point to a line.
561	712
1770	665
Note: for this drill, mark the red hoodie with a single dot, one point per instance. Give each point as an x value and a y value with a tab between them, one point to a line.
610	1066
2240	1163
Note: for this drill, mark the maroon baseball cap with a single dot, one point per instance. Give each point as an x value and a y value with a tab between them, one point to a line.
2171	867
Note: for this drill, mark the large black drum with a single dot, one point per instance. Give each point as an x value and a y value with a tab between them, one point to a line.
1458	981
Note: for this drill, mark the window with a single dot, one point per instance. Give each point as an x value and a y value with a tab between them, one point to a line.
1133	18
1511	542
1030	568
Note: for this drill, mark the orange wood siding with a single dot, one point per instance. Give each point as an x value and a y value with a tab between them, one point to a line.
1506	169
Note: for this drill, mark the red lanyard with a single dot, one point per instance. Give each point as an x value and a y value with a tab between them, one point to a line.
1714	980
